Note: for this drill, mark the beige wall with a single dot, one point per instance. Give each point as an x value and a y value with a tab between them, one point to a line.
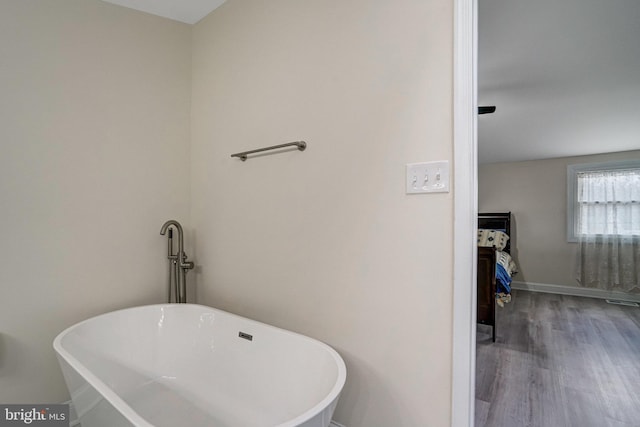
94	124
536	193
326	242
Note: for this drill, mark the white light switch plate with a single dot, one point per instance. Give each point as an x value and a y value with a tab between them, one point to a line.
428	177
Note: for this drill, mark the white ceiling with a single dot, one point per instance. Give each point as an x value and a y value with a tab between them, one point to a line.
188	11
563	74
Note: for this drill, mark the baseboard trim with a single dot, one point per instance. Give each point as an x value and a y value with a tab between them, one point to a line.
335	424
574	291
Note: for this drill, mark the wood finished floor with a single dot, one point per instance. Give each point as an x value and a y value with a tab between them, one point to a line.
559	361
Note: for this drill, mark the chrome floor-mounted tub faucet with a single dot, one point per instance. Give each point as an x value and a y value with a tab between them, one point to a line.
178	264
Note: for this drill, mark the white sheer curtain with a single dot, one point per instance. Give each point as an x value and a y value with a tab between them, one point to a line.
608	216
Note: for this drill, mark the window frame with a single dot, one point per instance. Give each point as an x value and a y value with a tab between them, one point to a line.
572	184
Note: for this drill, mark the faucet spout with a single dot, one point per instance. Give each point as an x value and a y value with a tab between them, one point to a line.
178	227
171	222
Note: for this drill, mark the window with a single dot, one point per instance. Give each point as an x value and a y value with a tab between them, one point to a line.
603	198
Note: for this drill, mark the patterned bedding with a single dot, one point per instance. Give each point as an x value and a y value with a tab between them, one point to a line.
505	269
492	238
505	266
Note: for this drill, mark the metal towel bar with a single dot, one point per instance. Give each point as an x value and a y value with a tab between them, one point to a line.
243	156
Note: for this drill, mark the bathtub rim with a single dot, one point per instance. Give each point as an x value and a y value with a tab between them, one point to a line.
131	415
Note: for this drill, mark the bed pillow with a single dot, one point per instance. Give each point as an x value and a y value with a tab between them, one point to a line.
492	239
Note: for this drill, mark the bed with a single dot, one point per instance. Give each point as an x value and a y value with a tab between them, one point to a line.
495	266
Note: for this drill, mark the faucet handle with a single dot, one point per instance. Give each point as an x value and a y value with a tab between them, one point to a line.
187	265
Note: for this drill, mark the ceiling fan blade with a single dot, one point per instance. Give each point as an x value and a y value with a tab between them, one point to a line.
487	109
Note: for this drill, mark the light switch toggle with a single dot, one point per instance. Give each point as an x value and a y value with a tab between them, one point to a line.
428	177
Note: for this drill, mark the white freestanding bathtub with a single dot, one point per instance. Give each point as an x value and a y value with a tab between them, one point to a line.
179	365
